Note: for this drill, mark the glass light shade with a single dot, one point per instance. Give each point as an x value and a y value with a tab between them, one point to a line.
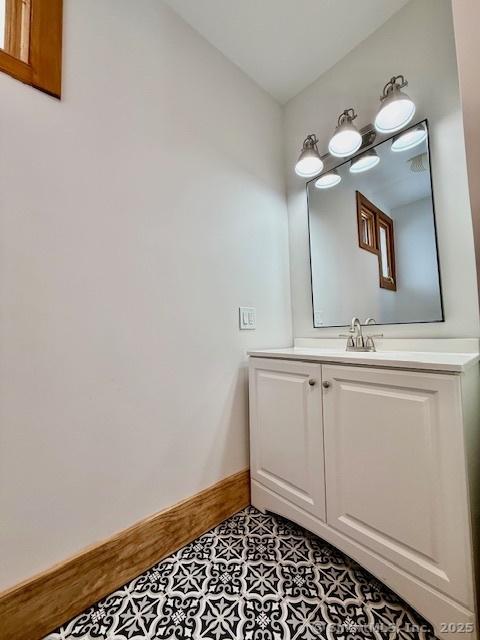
309	163
396	111
345	141
328	180
409	139
364	162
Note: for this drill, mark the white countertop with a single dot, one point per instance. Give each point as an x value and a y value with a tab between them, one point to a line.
428	361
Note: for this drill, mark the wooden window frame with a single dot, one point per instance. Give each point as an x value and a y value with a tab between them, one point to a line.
17	28
366	209
378	218
36	60
387	223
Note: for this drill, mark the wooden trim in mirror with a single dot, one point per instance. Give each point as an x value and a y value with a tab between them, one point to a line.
388	281
366	223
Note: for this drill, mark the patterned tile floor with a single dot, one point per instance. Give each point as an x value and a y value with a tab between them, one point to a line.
254	577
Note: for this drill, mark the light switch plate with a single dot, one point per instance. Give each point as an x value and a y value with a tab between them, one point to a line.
247	318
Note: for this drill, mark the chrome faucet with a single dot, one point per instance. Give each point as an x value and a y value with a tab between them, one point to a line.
356	326
356	341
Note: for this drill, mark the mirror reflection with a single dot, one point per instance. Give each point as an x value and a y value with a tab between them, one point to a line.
373	242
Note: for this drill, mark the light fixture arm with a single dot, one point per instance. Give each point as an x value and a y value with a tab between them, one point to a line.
309	162
393	84
348	115
310	142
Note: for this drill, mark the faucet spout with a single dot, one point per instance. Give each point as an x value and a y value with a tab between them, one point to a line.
356	327
356	340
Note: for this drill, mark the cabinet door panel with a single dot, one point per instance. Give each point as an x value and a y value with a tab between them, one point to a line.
395	471
286	431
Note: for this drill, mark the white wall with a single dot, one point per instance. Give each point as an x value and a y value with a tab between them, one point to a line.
135	217
417	298
416	262
418	42
466	18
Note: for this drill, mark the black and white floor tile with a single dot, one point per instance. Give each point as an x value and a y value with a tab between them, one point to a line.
254	577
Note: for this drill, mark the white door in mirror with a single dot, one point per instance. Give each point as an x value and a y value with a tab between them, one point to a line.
248	318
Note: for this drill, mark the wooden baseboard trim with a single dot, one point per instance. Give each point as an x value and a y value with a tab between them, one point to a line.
32	609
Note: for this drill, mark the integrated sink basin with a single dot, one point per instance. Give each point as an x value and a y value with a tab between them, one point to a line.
420	360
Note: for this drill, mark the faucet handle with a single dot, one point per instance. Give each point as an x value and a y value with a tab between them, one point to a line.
350	340
370	344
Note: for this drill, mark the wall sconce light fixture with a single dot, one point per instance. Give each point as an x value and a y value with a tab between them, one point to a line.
397	109
328	180
364	161
309	163
347	138
409	139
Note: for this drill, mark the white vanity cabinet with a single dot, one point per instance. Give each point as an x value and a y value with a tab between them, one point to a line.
395	470
287	437
375	461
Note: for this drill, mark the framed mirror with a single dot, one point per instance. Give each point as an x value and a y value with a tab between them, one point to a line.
373	241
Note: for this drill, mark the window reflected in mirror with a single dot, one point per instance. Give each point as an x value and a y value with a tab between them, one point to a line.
386	252
375	234
367	223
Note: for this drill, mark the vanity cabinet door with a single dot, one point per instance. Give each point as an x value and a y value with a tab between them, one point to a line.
286	432
395	470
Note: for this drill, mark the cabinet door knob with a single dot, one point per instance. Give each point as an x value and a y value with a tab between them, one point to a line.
312	382
325	384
